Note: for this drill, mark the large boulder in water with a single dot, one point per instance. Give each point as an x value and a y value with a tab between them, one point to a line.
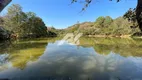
4	34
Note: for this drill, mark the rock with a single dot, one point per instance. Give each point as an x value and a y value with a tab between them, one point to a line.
4	34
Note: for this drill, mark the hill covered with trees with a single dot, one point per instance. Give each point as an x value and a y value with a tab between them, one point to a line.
19	24
105	27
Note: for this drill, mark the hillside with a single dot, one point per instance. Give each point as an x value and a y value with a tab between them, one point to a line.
105	26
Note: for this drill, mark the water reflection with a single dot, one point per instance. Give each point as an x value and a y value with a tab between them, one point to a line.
123	47
93	59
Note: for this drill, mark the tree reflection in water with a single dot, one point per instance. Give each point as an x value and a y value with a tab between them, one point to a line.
93	59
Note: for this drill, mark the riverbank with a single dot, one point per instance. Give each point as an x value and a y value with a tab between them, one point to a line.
121	36
115	36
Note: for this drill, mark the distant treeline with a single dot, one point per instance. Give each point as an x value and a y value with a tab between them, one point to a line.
106	26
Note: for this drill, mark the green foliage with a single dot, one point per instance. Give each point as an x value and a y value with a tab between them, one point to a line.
14	18
103	21
108	20
28	24
99	21
73	29
1	21
24	24
34	26
106	26
125	47
130	15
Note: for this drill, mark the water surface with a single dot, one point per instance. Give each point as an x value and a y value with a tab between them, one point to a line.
92	59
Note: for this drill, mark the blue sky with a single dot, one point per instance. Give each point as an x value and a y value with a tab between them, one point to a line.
60	14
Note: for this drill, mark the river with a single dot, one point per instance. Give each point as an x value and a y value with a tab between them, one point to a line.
91	59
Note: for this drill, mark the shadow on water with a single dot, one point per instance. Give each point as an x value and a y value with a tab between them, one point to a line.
93	59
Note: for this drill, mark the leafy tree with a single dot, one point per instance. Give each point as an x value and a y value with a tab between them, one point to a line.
131	16
33	26
106	26
138	9
108	20
99	21
87	2
103	21
14	18
24	24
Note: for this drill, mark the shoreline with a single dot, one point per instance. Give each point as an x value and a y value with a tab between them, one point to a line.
114	36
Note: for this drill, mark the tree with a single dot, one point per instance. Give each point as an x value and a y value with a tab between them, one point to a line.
3	3
108	20
138	10
23	24
14	18
33	26
99	21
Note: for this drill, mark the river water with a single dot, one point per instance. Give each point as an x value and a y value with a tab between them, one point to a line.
91	59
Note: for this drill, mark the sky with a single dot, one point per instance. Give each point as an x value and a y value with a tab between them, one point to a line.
61	14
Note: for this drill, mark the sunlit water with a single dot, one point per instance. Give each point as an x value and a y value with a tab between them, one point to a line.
93	59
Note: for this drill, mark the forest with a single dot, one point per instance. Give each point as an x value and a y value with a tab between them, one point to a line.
17	24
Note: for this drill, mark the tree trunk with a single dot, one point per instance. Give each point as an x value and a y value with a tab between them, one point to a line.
138	14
